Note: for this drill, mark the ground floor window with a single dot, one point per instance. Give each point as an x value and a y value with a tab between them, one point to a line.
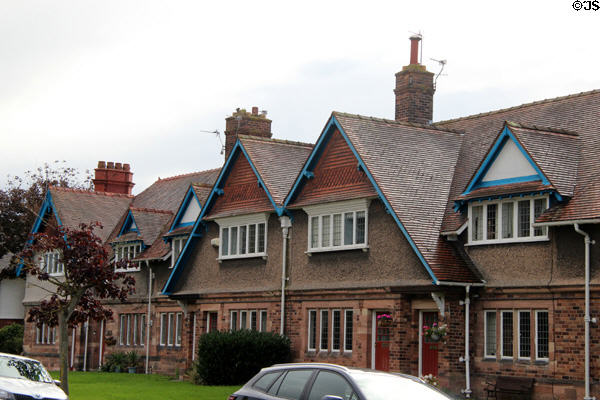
45	334
171	326
211	321
255	320
131	329
331	329
523	334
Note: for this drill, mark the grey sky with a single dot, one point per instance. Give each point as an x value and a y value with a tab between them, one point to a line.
136	81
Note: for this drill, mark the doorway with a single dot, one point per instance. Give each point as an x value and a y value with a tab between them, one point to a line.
382	333
429	349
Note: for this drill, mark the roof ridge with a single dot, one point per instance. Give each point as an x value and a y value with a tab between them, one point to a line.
273	140
524	105
432	127
174	177
543	129
151	210
91	192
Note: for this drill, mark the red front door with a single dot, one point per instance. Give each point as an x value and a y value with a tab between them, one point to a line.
382	344
429	354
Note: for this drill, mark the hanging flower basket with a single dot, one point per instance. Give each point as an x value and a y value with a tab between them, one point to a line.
384	320
431	380
435	332
110	341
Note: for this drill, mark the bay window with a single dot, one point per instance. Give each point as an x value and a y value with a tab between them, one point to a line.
243	237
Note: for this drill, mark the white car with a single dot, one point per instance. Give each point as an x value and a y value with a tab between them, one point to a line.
23	378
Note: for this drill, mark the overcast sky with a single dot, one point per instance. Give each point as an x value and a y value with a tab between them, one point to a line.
137	81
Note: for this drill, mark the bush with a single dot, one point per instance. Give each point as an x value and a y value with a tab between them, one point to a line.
232	358
115	362
11	339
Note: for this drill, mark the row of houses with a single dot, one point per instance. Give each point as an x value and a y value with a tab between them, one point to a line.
352	244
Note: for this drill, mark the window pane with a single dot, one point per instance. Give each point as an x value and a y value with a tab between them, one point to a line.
524	222
326	233
490	333
324	329
243	239
264	382
492	221
507	334
234	321
330	383
225	241
243	320
337	229
348	228
335	330
234	241
263	321
134	329
261	238
312	329
142	328
170	330
293	384
253	320
122	329
360	227
252	238
542	334
314	232
128	329
178	329
477	224
348	330
163	329
507	220
524	334
539	206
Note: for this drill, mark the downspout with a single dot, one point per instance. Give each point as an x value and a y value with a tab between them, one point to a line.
101	344
148	322
587	318
286	223
73	347
85	351
466	358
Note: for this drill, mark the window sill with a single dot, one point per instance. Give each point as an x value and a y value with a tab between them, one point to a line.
242	257
511	241
310	252
128	270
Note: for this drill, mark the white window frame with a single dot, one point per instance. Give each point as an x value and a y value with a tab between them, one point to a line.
164	329
233	323
331	209
54	267
253	320
323	324
137	249
346	312
502	356
128	319
519	356
263	317
238	222
333	312
312	329
515	239
170	317
177	242
536	335
485	336
178	329
123	321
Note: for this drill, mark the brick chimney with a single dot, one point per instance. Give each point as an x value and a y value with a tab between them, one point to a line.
242	122
113	178
414	89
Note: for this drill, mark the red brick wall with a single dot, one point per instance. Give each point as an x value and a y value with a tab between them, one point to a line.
414	95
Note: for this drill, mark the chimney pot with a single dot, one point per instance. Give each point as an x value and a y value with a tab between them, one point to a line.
101	164
126	167
113	177
118	166
110	165
414	49
243	123
254	110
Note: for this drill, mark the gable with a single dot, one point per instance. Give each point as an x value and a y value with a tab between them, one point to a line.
335	176
129	225
191	212
241	192
510	164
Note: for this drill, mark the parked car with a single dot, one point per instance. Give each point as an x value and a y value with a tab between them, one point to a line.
314	381
23	378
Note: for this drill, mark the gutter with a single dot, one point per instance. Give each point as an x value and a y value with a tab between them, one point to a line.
565	223
587	319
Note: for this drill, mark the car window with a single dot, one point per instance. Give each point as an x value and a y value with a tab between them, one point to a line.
293	384
264	382
333	384
275	386
22	368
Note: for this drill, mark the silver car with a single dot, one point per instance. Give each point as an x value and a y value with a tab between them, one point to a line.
23	378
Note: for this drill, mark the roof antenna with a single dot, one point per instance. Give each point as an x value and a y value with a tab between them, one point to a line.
443	64
216	132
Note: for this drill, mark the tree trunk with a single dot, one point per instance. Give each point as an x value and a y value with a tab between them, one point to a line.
63	351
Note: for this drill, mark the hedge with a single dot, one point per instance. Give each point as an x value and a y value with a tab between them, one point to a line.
11	339
232	358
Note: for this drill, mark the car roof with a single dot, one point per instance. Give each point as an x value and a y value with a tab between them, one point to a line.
341	368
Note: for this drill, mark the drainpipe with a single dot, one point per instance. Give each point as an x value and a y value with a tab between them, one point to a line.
286	224
101	344
466	358
85	351
148	322
73	347
587	318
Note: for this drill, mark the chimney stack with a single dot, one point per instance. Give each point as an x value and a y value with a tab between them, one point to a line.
113	178
414	89
242	122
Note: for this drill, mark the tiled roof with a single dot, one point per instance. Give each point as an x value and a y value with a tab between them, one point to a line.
82	206
575	113
278	162
501	190
202	190
166	194
413	165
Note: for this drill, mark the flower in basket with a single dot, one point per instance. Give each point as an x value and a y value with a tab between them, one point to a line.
431	379
384	317
435	332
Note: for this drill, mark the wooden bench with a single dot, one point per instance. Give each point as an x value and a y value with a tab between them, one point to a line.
510	387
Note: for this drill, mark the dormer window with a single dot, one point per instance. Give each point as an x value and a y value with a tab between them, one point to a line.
243	237
50	263
338	226
506	220
127	251
177	244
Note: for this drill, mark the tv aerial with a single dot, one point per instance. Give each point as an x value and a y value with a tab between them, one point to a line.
218	134
442	64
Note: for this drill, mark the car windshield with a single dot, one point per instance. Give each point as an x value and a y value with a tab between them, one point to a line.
32	370
380	386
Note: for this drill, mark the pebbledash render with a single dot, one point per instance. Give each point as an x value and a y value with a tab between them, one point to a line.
352	245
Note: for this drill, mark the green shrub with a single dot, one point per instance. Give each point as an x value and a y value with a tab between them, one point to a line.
11	339
232	358
115	362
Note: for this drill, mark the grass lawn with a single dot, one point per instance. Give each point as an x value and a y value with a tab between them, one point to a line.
113	386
